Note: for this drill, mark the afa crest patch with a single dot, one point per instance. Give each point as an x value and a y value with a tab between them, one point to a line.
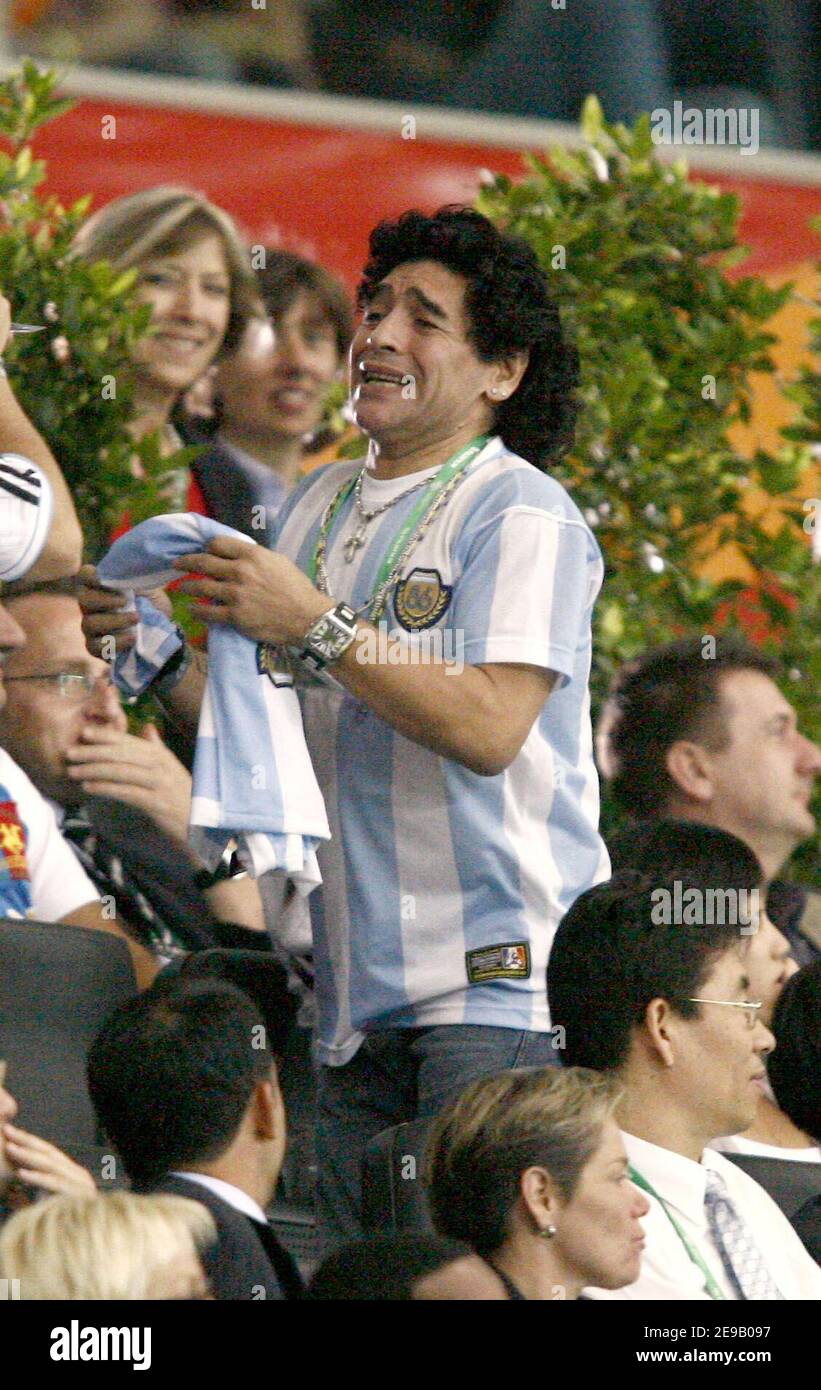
273	662
421	599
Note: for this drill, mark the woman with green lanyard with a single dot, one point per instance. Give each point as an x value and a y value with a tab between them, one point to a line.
528	1168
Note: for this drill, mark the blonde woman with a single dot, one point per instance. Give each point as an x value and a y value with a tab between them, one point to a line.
528	1168
193	269
112	1245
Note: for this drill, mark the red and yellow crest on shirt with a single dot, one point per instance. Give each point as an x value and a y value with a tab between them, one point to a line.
12	842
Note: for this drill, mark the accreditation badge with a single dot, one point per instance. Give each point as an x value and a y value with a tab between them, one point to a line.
273	662
420	599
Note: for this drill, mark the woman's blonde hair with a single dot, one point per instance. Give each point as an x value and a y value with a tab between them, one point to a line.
161	222
549	1118
110	1245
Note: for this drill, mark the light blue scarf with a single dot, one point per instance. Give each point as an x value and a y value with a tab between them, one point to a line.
253	779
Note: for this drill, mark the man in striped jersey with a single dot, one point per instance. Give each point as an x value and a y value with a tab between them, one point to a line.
439	597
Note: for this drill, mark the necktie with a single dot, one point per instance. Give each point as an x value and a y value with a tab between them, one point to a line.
740	1255
105	869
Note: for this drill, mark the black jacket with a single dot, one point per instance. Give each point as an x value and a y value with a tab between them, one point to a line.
247	1262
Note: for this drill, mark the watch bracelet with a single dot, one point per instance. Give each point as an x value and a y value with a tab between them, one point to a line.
174	669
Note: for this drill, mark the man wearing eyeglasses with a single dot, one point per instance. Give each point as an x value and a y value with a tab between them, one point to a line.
64	725
39	876
667	1007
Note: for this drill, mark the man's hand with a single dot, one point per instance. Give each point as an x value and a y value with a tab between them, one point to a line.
260	593
105	614
40	1164
140	771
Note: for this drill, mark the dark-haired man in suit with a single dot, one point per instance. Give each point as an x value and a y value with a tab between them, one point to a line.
184	1082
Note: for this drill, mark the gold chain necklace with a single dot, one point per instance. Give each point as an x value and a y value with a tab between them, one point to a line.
377	601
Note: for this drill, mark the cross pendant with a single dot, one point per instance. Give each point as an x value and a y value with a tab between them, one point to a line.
353	544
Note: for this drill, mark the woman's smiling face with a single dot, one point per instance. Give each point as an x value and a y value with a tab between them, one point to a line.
189	292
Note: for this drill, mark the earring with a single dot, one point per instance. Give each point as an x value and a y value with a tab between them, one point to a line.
547	1232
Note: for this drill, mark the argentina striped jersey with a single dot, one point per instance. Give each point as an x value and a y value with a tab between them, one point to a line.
442	889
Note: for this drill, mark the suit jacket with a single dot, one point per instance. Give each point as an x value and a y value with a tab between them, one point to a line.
247	1258
233	485
154	868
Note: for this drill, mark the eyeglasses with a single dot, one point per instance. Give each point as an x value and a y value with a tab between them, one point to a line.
750	1009
71	685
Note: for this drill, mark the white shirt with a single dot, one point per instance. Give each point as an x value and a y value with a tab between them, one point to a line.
234	1196
739	1144
667	1272
39	875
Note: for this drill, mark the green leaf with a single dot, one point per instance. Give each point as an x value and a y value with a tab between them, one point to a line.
592	121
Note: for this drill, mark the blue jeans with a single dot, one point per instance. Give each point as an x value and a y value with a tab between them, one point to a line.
401	1074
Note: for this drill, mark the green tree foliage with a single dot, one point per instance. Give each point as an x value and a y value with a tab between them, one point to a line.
638	256
73	380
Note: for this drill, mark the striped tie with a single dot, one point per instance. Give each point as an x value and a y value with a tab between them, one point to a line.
740	1255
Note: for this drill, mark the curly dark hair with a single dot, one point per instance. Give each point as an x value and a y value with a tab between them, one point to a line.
509	309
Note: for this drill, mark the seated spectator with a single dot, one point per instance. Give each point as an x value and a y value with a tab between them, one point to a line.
541	59
794	1072
30	1164
664	1006
396	52
269	395
39	876
405	1268
788	1124
111	1245
192	269
529	1169
184	1083
122	801
707	736
119	34
669	848
782	1147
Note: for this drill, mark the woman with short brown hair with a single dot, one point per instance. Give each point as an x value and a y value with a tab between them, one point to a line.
528	1167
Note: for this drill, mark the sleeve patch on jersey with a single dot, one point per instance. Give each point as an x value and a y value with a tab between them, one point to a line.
420	599
12	843
508	962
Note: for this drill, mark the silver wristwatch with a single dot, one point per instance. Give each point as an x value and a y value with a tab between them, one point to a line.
329	637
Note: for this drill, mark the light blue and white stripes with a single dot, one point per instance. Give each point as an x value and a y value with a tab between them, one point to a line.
253	778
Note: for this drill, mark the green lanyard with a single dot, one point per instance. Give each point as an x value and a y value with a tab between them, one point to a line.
712	1287
455	464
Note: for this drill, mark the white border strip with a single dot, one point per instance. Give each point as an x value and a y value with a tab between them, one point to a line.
384	117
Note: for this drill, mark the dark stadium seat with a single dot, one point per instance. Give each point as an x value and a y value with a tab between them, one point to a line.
58	984
393	1194
795	1186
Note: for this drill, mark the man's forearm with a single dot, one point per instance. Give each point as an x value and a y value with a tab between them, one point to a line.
62	553
182	704
237	900
459	712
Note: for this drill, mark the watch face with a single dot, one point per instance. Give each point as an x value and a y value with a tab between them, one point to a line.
329	637
326	639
